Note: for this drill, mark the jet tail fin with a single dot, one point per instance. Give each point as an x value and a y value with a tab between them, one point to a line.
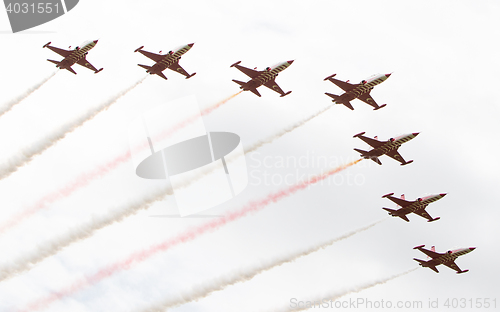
161	75
71	70
254	91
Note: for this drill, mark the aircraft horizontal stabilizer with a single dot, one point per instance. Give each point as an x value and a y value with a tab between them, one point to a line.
395	213
145	67
333	96
235	64
55	62
239	82
360	151
420	261
331	76
406	163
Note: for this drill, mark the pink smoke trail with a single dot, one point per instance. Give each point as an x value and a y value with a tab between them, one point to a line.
140	256
86	178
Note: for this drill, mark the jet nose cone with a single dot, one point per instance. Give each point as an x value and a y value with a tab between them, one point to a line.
191	44
290	62
442	194
472	248
415	133
95	41
388	75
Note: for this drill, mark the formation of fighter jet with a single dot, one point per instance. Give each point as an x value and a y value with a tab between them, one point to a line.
169	60
417	206
389	147
265	77
447	258
359	91
78	56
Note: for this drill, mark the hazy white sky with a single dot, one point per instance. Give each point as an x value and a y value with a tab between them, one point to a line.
443	56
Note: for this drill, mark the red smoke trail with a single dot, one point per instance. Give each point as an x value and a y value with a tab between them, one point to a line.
189	235
86	178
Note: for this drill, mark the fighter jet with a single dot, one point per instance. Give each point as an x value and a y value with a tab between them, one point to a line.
417	206
447	258
359	91
78	56
169	60
389	148
265	77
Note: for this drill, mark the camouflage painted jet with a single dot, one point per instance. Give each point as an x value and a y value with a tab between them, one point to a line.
169	60
78	56
447	258
417	206
265	77
389	148
359	91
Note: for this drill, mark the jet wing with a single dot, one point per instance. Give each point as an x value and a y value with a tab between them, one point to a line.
249	72
453	265
342	84
271	84
177	68
429	253
394	154
83	62
424	214
399	201
372	142
366	97
59	51
155	57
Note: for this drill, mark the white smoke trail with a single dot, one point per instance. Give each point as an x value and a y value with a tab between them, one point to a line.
353	290
25	263
221	283
24	157
287	130
20	98
78	233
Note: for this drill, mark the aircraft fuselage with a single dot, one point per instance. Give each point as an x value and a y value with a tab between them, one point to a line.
392	144
269	74
450	255
364	86
76	55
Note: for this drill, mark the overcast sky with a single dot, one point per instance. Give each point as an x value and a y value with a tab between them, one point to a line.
444	60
